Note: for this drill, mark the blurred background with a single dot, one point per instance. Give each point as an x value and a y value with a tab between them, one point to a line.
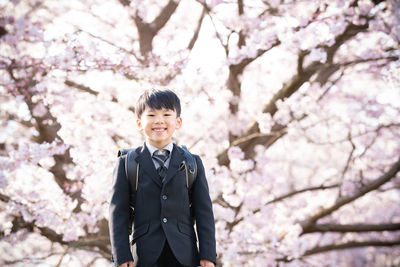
293	105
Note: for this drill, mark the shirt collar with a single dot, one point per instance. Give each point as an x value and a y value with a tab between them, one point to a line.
168	147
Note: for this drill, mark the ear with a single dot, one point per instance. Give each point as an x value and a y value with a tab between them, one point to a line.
139	124
178	123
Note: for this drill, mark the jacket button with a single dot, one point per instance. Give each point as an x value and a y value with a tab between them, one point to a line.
164	220
164	197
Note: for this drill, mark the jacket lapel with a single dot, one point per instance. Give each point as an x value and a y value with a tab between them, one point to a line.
177	159
146	164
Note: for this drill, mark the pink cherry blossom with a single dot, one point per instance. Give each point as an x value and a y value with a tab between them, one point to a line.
293	107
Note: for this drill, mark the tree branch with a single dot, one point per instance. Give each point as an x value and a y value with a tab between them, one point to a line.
219	37
300	60
325	71
366	60
380	127
162	19
348	245
147	31
98	240
235	70
242	36
197	31
391	173
125	2
344	228
350	31
48	132
102	39
4	198
293	193
352	244
81	87
288	89
221	201
86	89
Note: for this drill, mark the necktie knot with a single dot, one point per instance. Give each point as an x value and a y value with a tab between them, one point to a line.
161	156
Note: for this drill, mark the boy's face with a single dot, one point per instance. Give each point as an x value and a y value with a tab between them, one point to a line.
158	125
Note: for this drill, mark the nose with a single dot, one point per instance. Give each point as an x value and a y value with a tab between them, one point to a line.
158	119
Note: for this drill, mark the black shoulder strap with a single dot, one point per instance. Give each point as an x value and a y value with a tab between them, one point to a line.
191	167
131	170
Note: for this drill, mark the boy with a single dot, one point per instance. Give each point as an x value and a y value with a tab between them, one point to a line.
163	223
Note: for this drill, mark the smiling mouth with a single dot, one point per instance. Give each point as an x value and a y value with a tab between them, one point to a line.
159	130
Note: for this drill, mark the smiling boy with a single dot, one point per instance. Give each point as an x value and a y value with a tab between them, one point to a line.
165	209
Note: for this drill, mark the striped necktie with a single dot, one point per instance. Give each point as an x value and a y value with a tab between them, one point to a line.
161	157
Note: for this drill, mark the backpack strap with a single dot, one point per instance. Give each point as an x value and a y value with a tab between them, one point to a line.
191	167
131	167
132	170
191	174
132	174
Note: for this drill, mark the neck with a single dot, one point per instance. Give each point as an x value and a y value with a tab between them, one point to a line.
158	145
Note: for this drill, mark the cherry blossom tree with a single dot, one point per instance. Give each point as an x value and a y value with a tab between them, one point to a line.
293	106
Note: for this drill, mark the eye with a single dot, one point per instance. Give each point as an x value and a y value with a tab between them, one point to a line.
167	114
150	115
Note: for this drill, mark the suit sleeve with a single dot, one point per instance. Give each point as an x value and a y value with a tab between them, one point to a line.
119	215
203	212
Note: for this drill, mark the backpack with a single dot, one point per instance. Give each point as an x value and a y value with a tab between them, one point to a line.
132	174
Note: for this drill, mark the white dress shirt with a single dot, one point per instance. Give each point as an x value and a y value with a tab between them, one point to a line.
168	147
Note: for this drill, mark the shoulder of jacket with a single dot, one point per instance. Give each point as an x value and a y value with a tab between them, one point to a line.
124	151
184	148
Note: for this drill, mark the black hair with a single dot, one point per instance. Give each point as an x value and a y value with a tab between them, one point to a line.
158	99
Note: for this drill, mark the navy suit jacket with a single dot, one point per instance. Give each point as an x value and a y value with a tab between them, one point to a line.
162	213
